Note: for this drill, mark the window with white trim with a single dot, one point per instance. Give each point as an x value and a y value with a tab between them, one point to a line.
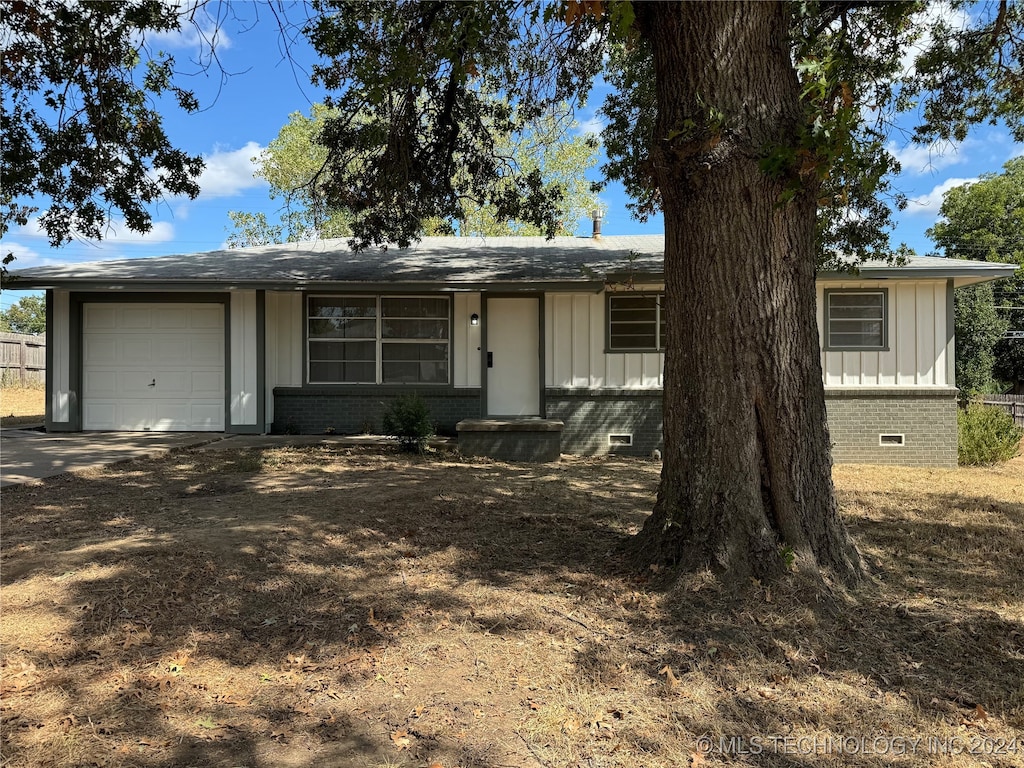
636	322
855	319
377	339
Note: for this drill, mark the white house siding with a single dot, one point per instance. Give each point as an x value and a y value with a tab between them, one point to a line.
59	377
243	374
466	341
284	344
575	357
918	350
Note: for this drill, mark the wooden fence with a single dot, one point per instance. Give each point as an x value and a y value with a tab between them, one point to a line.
1012	404
22	359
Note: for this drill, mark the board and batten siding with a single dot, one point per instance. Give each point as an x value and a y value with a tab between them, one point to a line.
466	341
575	357
919	353
59	341
284	345
243	377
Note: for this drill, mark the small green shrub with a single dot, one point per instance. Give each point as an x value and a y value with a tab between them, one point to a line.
407	420
986	435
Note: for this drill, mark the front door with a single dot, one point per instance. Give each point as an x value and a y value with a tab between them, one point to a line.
513	357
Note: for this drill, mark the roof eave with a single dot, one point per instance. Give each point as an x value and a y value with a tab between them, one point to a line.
172	286
960	276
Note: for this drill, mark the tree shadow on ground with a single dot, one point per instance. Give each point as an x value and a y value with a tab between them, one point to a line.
298	581
340	609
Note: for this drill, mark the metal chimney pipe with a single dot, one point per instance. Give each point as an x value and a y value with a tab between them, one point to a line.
596	215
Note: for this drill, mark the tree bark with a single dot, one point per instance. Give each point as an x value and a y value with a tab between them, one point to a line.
747	477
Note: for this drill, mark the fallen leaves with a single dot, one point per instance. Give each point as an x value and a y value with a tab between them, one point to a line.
401	739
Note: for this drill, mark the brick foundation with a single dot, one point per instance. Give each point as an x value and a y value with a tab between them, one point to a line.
925	417
356	410
857	416
590	416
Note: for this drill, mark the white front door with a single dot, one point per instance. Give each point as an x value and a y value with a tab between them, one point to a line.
153	367
513	357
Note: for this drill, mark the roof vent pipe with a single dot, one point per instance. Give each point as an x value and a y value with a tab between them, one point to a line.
597	223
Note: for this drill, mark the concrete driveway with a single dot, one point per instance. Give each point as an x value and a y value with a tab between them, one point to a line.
27	455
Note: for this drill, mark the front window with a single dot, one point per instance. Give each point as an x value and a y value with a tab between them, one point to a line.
855	319
378	339
636	322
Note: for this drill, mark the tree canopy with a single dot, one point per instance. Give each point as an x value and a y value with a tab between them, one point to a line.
28	315
81	137
294	165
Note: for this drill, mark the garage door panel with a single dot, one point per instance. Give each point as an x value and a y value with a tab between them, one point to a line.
135	384
171	417
154	371
207	416
135	416
171	348
100	384
100	350
136	351
98	317
210	317
170	318
135	319
173	384
99	415
207	384
208	350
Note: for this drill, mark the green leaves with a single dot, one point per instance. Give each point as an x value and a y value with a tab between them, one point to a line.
28	315
81	138
430	100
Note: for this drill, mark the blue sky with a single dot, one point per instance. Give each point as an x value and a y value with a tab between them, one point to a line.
241	115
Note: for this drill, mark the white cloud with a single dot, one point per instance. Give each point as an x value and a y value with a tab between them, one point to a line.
932	202
115	233
23	255
918	159
591	124
229	172
200	30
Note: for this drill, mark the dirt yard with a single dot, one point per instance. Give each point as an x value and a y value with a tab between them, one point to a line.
316	607
20	406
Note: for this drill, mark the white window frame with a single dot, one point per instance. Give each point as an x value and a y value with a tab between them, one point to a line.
378	339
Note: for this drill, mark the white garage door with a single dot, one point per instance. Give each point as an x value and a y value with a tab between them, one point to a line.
157	367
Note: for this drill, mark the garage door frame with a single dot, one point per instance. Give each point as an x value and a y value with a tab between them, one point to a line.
78	300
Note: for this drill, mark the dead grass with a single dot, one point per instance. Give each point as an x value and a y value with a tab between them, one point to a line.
316	607
20	406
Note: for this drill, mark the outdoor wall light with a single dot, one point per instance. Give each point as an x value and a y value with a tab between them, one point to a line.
474	319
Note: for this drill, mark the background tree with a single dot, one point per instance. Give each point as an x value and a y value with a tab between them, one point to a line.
984	220
978	328
28	315
294	165
737	155
81	139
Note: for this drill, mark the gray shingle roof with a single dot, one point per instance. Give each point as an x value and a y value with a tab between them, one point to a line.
450	261
460	261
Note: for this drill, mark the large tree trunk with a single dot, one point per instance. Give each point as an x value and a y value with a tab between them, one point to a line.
747	467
